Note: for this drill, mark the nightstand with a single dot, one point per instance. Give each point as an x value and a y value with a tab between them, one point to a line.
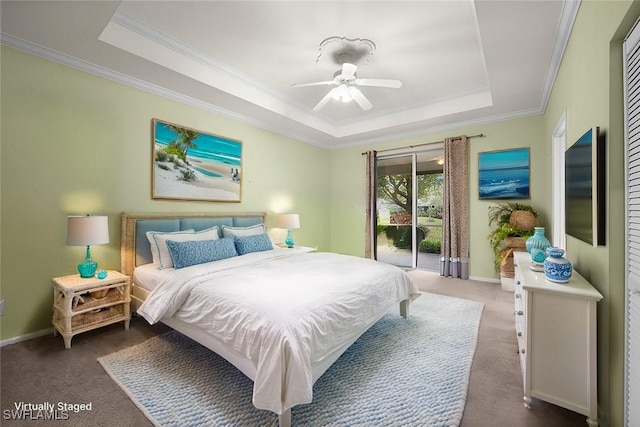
298	248
77	307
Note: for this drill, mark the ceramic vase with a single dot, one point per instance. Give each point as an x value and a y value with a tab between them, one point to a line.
538	240
556	267
537	259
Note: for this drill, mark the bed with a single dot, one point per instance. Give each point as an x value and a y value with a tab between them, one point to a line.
281	316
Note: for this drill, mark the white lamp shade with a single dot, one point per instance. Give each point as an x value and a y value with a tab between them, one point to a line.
87	230
289	221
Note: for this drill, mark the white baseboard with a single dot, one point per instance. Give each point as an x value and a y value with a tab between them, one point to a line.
484	279
26	337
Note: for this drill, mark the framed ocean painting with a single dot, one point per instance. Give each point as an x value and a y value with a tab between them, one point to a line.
504	174
189	164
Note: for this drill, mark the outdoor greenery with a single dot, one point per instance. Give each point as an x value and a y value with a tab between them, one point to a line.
397	190
429	237
431	246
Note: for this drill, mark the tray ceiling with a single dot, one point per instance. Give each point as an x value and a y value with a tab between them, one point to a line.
460	62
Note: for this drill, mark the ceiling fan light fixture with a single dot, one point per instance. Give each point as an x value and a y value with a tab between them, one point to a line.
342	93
345	81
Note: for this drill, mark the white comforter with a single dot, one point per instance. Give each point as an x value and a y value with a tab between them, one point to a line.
283	310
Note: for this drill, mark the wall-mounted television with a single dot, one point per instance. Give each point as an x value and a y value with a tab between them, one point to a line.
585	204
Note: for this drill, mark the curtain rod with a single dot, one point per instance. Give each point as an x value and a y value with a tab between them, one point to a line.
480	135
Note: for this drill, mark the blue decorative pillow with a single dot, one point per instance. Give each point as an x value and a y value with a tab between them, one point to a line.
163	250
192	252
257	243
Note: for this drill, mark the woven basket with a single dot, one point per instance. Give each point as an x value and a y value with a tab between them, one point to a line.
523	220
99	294
515	242
507	268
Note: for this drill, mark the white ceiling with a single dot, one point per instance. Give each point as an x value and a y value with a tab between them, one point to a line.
461	62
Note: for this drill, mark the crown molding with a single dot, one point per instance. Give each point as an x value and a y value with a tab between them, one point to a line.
563	33
99	71
85	66
436	129
568	15
156	36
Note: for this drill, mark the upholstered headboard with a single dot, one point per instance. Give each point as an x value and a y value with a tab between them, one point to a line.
134	245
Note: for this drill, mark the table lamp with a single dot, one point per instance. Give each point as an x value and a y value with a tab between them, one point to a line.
86	231
289	222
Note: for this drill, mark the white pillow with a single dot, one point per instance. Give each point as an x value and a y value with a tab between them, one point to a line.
252	230
163	249
154	245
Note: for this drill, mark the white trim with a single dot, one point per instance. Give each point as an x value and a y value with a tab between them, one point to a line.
565	25
441	128
96	70
78	64
558	147
26	337
630	108
485	279
415	245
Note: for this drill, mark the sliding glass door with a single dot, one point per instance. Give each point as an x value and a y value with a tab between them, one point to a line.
396	214
409	209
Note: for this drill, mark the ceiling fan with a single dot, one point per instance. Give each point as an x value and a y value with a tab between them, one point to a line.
346	88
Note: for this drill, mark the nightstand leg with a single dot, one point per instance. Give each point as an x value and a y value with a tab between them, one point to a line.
126	324
55	332
67	341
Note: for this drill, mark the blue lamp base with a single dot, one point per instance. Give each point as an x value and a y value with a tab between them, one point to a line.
289	240
87	268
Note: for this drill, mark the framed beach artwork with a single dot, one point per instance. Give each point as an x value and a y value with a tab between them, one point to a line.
192	165
504	174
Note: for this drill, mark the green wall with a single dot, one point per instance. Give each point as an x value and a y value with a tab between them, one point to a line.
589	88
74	143
348	185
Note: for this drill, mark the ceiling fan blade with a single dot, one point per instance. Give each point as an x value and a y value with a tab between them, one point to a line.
359	97
379	83
328	82
348	70
324	100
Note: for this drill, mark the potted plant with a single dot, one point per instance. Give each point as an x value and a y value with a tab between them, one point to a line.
514	225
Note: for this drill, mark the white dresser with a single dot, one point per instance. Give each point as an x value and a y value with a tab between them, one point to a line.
557	339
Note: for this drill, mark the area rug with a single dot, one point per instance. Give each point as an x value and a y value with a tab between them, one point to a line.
401	372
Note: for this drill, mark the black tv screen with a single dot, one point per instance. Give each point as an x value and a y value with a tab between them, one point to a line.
585	205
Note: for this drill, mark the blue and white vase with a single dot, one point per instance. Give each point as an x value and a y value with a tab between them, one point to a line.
538	240
556	267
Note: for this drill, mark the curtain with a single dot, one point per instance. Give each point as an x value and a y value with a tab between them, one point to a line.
370	210
454	259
